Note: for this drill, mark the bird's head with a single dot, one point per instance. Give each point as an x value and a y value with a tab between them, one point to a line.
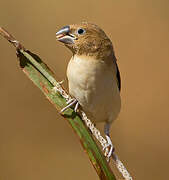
85	39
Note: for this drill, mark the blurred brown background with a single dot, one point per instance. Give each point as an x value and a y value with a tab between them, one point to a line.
35	142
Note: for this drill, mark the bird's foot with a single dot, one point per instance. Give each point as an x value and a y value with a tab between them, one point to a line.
111	148
71	102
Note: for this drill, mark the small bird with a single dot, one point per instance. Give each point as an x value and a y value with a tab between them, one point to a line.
93	75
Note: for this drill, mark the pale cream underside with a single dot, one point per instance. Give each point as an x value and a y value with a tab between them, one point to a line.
93	84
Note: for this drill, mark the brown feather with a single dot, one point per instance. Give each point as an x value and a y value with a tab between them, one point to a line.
94	42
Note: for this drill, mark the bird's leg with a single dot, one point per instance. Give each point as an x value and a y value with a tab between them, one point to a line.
76	106
109	142
70	103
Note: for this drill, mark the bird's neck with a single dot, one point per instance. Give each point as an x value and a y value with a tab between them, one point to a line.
107	58
84	57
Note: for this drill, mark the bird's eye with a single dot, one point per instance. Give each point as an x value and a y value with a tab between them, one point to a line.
80	31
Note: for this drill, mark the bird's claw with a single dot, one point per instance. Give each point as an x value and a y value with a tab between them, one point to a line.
111	148
70	103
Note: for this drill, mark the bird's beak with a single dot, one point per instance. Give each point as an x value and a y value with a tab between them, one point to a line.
64	35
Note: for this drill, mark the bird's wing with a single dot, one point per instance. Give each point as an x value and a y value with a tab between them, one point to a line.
118	78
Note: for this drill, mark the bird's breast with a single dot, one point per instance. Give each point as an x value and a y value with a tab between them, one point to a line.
92	83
